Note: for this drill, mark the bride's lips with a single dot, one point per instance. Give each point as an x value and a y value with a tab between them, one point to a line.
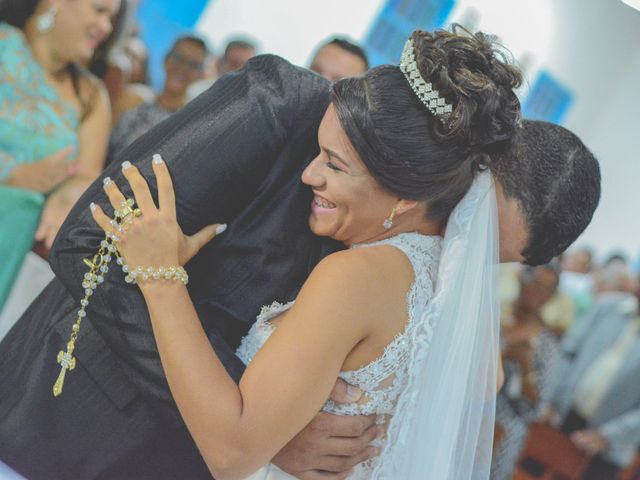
94	40
321	205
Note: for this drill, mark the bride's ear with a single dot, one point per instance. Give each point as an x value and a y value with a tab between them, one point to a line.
403	206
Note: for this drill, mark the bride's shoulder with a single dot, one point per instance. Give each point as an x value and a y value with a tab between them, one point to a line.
361	287
365	259
362	272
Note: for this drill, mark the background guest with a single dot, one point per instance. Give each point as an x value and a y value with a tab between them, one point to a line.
184	64
597	397
127	78
237	52
576	279
614	276
54	122
339	58
529	354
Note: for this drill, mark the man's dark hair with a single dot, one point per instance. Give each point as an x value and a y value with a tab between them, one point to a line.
350	47
555	179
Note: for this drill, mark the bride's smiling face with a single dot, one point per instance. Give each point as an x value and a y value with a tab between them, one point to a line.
349	205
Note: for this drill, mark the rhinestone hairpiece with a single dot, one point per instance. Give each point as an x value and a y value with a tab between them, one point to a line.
424	90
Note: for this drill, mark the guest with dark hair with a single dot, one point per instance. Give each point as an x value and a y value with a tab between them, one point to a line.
54	124
183	65
529	352
616	257
236	53
339	58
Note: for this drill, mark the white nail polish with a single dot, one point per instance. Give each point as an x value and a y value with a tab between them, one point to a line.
126	165
157	159
221	228
93	207
106	180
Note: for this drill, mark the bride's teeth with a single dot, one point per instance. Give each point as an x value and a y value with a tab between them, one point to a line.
323	204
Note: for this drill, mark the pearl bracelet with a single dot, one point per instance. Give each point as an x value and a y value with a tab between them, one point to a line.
138	274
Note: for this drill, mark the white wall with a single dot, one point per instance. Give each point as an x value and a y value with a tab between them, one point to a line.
591	46
597	56
289	28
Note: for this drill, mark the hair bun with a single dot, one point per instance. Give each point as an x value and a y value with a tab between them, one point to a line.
477	77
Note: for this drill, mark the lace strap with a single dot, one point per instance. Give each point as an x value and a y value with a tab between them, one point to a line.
421	250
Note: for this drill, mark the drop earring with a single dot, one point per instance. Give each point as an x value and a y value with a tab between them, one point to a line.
388	223
45	22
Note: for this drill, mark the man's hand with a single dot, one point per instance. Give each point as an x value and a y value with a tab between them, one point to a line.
330	446
589	441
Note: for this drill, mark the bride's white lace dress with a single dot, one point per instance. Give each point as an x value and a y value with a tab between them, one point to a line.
383	379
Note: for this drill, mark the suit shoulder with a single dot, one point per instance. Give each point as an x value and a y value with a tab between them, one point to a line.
288	76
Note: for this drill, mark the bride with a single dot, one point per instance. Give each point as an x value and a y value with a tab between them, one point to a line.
404	314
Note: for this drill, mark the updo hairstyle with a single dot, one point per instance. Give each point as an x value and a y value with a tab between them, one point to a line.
414	154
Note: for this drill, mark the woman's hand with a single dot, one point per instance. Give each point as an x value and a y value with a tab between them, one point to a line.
45	174
56	209
154	238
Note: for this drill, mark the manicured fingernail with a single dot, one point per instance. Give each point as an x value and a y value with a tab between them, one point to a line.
221	228
126	165
157	159
353	393
106	180
93	207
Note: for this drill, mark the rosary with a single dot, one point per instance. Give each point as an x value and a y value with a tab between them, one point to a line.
98	268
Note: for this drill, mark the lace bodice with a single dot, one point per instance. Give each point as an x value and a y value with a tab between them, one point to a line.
383	379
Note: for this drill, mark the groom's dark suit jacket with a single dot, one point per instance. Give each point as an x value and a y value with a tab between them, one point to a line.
235	155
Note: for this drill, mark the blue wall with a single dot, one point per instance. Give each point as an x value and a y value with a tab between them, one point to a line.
395	23
548	100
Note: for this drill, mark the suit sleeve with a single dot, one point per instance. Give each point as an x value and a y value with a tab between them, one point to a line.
219	149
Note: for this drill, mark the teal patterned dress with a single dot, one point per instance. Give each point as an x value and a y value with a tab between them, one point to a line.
34	123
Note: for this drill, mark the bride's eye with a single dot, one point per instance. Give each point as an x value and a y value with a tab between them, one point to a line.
333	166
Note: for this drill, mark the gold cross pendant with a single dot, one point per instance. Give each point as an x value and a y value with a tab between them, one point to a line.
68	362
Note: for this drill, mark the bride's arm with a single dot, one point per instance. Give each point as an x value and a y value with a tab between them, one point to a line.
240	428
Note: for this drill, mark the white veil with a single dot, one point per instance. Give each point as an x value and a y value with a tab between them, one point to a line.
444	420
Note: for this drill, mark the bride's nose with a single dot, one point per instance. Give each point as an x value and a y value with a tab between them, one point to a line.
312	175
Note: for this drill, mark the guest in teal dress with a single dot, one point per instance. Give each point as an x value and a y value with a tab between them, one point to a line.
54	119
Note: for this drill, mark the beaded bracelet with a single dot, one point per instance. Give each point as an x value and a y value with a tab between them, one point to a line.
138	274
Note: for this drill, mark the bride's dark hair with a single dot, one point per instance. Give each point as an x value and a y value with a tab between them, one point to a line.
414	154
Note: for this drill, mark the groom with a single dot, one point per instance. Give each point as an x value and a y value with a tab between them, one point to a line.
235	155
